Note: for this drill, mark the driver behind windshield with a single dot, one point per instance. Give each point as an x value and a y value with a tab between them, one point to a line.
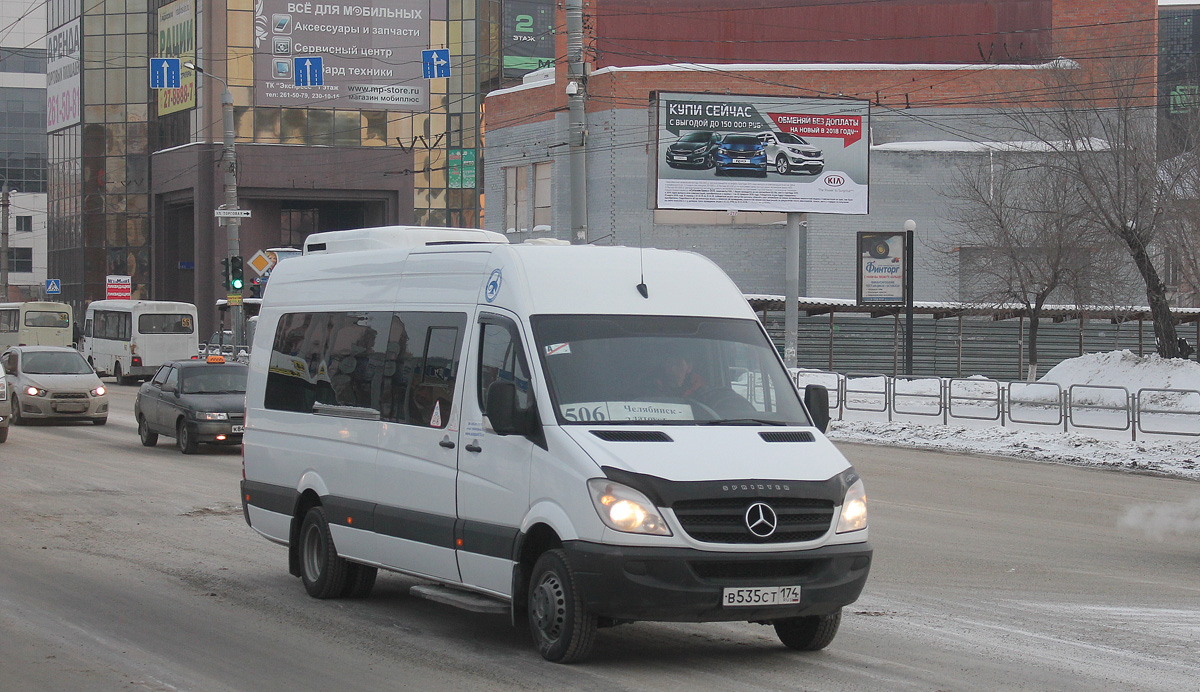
677	376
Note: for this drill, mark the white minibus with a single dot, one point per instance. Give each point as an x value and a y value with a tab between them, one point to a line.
129	339
581	436
35	323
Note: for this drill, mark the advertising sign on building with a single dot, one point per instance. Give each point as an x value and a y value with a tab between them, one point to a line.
461	172
880	268
118	287
177	39
528	32
762	153
63	97
370	54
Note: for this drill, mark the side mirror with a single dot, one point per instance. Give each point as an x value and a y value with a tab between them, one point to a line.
816	399
502	411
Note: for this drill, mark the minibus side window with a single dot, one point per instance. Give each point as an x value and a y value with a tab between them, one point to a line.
502	358
432	392
333	358
9	320
420	368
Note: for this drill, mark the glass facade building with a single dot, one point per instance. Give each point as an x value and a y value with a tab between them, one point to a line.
132	183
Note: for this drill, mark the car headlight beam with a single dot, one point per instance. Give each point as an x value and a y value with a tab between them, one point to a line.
854	509
624	509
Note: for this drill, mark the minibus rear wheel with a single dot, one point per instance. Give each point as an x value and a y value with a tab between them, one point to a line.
323	572
811	633
563	630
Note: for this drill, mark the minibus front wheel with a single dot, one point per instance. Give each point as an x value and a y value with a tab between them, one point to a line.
563	630
811	633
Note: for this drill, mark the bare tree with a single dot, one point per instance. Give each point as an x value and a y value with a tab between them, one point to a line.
1022	236
1097	125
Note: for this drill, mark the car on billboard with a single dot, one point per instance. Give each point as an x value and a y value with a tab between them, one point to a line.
790	153
741	152
693	150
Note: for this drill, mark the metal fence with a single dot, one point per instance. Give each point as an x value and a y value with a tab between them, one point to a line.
1148	410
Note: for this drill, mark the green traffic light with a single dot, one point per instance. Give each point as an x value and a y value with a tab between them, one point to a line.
235	273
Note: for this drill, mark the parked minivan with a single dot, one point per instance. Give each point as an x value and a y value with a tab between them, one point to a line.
579	435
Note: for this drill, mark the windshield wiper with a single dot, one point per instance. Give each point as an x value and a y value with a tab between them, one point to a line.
745	421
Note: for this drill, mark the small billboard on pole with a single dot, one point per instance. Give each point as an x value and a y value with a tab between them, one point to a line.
880	268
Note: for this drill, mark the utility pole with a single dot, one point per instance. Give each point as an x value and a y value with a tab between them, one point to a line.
795	248
233	223
577	121
910	227
4	245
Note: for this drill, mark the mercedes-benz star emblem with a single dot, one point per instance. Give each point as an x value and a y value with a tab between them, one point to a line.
761	519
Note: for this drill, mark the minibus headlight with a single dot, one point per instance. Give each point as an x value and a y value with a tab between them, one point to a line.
34	391
213	416
622	508
854	509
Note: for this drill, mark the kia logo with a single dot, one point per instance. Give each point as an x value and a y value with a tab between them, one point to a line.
835	180
761	519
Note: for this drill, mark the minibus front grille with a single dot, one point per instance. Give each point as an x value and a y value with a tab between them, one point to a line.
724	520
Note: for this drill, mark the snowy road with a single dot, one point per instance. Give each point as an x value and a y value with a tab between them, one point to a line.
126	568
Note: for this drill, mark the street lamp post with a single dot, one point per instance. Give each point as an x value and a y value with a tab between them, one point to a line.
233	223
4	244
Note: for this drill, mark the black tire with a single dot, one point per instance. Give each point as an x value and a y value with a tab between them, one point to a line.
563	630
782	166
185	438
709	162
117	373
360	579
3	433
811	633
16	417
323	572
100	421
149	439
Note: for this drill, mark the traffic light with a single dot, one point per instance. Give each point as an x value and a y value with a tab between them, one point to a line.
225	273
235	273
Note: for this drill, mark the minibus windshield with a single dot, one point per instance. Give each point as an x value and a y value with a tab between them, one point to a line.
638	369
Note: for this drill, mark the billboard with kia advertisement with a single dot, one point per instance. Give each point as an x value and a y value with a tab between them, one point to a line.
761	153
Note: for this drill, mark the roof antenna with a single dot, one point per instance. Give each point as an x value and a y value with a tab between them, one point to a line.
643	290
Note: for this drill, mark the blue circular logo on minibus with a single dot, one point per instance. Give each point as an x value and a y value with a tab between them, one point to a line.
493	286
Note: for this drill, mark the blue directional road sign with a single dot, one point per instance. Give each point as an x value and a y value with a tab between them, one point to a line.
53	287
436	63
308	71
164	73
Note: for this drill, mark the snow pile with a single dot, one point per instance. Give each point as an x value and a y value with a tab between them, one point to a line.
1175	456
1124	369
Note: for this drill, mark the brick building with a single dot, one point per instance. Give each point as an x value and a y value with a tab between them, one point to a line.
938	75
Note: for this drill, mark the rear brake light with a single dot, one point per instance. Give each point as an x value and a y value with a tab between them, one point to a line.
136	361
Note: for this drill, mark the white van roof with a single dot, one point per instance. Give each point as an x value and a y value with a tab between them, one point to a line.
167	306
382	237
526	279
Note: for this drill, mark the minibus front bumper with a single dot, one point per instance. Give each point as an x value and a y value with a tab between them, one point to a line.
687	585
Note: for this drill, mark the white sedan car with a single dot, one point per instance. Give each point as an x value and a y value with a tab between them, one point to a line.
53	383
